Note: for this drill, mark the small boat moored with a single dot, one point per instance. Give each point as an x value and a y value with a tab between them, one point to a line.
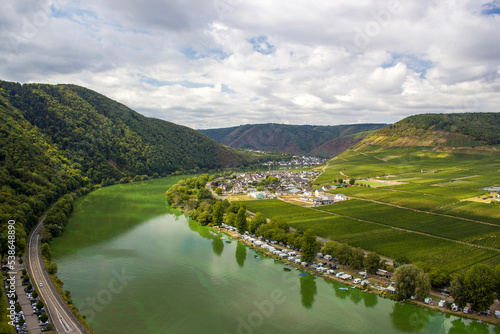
303	274
287	269
343	288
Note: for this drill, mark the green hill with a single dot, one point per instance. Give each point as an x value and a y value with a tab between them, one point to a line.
325	141
55	139
440	131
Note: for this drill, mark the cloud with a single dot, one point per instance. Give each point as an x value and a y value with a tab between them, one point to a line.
228	62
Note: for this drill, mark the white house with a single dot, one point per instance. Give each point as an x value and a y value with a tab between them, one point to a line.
259	195
340	197
319	192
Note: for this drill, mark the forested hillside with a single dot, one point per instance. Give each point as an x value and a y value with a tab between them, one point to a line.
461	131
325	141
56	139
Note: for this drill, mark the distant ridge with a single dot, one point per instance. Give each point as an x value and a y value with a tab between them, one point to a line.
464	132
324	141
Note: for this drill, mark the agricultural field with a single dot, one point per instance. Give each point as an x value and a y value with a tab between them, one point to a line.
379	237
425	207
447	227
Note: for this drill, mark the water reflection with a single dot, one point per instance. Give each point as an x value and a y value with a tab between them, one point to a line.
241	254
409	319
308	290
218	246
468	326
370	299
356	296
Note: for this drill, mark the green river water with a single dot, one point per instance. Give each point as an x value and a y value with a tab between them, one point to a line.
135	266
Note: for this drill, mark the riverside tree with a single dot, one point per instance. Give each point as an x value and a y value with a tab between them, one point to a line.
310	246
458	290
371	262
410	280
257	220
481	287
218	213
241	220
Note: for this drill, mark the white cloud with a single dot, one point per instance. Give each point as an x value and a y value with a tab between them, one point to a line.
227	62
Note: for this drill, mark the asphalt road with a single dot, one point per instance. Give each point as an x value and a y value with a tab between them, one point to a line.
62	317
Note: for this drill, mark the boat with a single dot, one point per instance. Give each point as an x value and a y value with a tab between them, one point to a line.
256	256
343	288
222	238
303	274
228	241
287	269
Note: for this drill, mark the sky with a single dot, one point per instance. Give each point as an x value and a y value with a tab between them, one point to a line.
219	63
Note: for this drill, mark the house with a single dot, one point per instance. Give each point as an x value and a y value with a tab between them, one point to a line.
340	197
259	194
328	197
390	289
384	273
295	191
319	192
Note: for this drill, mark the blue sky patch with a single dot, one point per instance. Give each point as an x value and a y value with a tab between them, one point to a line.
225	89
193	54
261	45
491	8
70	13
413	62
183	83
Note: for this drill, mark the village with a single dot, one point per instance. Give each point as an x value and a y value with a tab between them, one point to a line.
273	184
297	161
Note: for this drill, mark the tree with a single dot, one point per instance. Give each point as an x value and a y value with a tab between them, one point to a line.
406	277
480	286
231	218
341	181
45	248
352	181
357	257
331	248
52	268
218	213
257	220
400	260
35	294
218	191
203	193
423	285
344	254
39	305
44	317
438	277
310	246
371	262
458	290
241	220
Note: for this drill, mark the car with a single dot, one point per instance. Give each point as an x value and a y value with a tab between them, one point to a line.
41	284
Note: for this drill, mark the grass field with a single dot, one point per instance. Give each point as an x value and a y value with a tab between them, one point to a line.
382	239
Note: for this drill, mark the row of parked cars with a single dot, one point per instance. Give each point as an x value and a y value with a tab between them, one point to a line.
39	312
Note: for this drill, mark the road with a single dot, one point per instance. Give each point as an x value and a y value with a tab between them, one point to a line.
62	317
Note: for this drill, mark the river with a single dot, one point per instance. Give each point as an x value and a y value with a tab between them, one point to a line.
134	265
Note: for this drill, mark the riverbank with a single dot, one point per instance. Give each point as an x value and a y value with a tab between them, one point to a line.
377	287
